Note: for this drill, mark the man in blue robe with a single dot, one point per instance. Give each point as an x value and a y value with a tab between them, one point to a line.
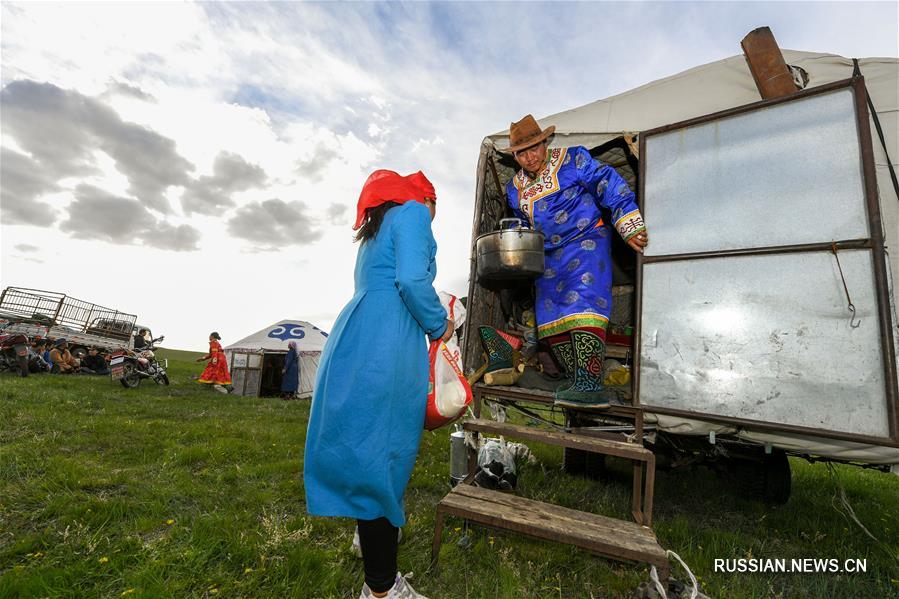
562	192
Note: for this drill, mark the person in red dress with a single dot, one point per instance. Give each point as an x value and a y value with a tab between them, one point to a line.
216	373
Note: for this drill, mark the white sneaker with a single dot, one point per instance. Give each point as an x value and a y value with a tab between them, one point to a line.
401	589
357	546
220	389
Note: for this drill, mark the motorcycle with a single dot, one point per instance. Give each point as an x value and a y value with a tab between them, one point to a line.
131	367
14	354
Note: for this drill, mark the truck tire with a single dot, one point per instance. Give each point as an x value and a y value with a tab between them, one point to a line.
778	478
574	461
595	465
766	478
579	462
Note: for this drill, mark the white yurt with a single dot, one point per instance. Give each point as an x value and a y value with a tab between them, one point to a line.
256	361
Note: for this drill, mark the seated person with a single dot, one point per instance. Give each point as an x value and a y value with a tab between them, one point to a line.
62	359
48	345
95	362
36	362
141	340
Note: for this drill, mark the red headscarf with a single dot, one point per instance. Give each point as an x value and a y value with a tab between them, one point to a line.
387	186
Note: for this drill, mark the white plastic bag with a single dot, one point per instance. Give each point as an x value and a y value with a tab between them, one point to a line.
448	390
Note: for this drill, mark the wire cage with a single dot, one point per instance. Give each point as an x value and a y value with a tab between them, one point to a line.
57	309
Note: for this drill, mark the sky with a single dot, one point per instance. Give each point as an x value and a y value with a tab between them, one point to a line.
198	164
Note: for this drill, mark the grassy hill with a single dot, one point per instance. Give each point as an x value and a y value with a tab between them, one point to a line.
179	356
183	492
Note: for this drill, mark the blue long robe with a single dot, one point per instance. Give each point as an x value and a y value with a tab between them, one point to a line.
368	406
565	202
290	382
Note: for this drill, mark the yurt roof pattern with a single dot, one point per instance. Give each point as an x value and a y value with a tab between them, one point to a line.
275	337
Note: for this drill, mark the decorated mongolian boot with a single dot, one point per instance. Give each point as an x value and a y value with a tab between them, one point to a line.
563	353
498	348
585	393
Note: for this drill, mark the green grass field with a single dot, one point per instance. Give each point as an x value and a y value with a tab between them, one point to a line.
183	492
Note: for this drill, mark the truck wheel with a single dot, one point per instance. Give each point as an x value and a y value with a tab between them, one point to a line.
130	379
766	479
574	461
595	465
778	479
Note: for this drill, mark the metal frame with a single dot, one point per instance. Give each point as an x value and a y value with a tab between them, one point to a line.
67	311
874	243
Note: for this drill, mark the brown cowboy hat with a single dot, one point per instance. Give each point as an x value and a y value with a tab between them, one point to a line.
526	133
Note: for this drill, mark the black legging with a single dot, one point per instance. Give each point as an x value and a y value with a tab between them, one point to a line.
379	548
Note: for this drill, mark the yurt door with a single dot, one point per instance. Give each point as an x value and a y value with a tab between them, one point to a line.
246	373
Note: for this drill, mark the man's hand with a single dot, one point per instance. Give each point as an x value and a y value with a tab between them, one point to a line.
450	329
639	241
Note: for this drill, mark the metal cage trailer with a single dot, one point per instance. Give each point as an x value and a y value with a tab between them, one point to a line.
48	314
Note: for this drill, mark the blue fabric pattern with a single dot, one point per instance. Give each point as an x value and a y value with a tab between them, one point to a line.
565	202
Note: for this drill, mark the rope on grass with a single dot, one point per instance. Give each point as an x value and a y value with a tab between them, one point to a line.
849	514
694	587
846	511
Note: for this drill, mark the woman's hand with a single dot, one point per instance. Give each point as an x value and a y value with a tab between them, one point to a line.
450	329
200	359
639	241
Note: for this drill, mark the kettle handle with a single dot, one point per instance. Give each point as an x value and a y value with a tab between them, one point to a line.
509	220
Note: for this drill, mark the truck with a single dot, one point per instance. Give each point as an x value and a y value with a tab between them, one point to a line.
53	315
762	317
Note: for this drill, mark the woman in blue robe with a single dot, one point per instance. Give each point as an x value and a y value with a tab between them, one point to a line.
290	374
370	394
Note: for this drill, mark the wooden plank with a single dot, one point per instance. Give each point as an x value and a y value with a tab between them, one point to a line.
546	510
503	392
563	439
606	536
612	544
618	351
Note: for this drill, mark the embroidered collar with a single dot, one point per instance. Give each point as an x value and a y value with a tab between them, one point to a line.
544	183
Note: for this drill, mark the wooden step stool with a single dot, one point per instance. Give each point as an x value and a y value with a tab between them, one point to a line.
609	537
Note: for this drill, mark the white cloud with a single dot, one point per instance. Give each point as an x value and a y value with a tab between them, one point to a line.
316	96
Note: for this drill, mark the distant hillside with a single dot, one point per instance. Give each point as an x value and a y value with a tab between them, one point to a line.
178	354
